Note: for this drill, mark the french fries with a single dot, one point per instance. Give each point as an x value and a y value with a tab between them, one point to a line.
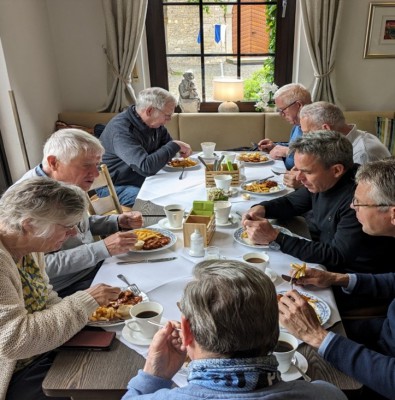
300	270
182	162
262	187
104	314
252	157
144	234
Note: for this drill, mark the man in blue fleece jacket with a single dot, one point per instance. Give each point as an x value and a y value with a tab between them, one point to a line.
229	328
371	358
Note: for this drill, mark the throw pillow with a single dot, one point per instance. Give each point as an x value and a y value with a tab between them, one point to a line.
63	125
385	131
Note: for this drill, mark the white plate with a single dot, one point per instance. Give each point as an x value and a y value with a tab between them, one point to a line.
165	232
136	337
250	163
320	306
106	324
164	223
175	169
239	239
279	188
271	274
293	373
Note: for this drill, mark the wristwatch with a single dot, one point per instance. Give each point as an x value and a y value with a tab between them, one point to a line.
274	245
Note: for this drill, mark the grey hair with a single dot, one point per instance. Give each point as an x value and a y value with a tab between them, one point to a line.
330	147
322	112
154	97
67	144
232	309
43	202
293	92
380	176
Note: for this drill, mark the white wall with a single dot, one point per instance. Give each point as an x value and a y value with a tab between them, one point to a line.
53	60
362	84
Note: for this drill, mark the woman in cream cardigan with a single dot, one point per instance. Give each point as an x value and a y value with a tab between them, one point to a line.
36	217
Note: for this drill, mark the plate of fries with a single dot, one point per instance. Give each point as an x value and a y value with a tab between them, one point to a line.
321	308
254	158
115	314
264	188
154	239
240	236
178	163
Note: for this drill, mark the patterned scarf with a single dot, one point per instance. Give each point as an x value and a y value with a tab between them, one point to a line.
235	374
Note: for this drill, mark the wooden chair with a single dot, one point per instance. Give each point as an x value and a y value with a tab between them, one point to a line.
104	205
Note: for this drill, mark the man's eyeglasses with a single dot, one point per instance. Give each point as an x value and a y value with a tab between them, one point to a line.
68	228
281	110
355	204
166	115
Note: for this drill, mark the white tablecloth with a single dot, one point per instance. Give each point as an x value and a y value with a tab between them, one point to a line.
164	281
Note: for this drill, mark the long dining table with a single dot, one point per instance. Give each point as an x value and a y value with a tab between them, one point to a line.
80	375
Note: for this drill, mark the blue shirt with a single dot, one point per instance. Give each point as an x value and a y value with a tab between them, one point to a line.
295	133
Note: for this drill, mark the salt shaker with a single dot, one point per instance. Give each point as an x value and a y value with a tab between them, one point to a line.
197	245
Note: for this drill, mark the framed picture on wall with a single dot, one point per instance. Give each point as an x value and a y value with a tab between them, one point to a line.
380	32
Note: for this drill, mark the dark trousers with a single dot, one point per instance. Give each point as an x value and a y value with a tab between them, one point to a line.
26	384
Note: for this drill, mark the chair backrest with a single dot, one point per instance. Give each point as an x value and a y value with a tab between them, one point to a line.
100	204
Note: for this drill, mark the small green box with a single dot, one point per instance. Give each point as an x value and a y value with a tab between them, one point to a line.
201	207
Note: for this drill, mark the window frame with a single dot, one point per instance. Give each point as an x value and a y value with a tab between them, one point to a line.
156	48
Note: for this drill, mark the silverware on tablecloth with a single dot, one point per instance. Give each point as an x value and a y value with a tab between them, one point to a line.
278	173
182	173
132	286
153	260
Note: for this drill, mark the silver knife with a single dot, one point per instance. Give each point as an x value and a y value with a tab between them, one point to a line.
153	260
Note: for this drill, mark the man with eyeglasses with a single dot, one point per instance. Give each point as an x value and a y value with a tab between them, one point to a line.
137	144
289	100
324	165
371	357
73	156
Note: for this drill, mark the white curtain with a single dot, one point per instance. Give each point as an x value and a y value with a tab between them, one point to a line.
125	20
321	20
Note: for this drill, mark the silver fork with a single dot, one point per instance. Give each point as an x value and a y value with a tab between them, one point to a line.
182	173
132	286
278	173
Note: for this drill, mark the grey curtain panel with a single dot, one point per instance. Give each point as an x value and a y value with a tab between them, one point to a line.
125	20
321	20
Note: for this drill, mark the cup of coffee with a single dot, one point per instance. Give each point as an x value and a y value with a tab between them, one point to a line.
174	214
141	313
223	182
222	211
285	350
208	149
259	260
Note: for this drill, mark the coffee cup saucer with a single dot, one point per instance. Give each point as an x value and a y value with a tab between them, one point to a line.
233	219
136	337
271	274
293	373
164	224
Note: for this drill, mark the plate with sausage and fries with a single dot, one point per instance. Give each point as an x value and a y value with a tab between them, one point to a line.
263	188
116	312
153	239
176	164
321	308
254	158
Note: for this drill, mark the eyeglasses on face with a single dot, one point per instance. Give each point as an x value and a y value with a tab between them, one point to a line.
355	204
68	228
281	110
166	115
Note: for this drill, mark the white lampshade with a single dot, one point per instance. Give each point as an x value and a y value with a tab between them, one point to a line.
228	90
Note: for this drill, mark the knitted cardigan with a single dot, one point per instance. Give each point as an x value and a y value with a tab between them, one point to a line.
24	335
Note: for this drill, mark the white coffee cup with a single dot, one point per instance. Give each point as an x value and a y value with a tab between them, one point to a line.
285	350
223	182
228	156
141	313
259	260
174	214
208	149
222	211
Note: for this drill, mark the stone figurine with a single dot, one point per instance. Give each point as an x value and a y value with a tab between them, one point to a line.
189	100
